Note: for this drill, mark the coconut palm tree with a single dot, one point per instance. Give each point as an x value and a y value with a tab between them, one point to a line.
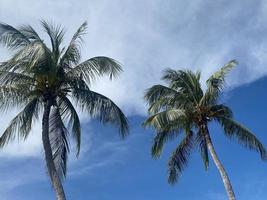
47	80
184	107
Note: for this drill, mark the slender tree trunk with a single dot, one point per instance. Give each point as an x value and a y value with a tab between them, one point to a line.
225	178
56	182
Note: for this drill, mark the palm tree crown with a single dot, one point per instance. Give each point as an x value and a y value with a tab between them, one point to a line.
183	106
38	75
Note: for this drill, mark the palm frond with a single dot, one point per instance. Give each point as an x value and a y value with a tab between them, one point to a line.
102	108
72	54
186	82
11	37
59	143
56	34
13	96
9	78
21	125
244	136
160	120
95	67
201	142
179	158
216	83
69	114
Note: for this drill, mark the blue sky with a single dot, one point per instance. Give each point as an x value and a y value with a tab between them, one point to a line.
146	37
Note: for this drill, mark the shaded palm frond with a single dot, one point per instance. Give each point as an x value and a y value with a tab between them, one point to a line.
21	125
201	142
244	136
69	114
56	34
72	54
11	37
179	158
102	108
59	142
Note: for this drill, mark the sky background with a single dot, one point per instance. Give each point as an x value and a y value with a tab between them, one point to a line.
146	37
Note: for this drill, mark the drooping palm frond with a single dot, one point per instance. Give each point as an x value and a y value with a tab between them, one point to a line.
244	136
95	67
102	108
201	142
11	37
9	78
72	54
29	32
69	114
13	96
21	125
58	135
179	158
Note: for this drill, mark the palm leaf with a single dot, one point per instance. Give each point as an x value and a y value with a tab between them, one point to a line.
244	136
59	143
102	108
21	125
179	158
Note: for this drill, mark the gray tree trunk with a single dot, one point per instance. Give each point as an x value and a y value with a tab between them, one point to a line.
56	182
225	178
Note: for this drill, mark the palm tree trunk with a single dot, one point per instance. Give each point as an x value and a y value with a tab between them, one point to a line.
56	182
225	178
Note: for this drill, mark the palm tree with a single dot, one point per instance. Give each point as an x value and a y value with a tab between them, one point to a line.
183	106
47	80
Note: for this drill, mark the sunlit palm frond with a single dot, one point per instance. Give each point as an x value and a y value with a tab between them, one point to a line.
13	96
186	82
216	83
95	67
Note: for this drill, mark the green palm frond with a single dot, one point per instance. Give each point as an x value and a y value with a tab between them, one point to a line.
95	67
13	96
56	34
244	136
58	135
30	33
9	78
21	125
179	158
101	107
11	37
201	142
69	114
186	82
160	120
220	110
72	54
216	83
